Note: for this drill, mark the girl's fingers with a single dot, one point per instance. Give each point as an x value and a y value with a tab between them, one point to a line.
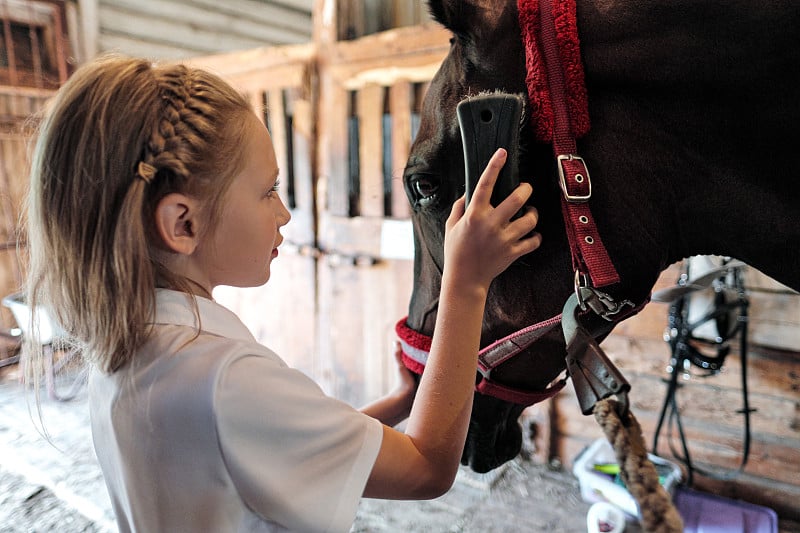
525	223
483	191
457	211
514	201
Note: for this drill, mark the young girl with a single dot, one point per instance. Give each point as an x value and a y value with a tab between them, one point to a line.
150	186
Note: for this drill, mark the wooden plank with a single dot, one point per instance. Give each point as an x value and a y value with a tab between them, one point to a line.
325	22
305	213
120	24
29	13
74	33
14	167
361	236
341	329
396	44
714	430
766	375
333	147
90	28
359	321
416	55
400	109
774	312
265	23
278	132
294	16
405	13
388	288
350	19
108	43
779	497
257	61
370	115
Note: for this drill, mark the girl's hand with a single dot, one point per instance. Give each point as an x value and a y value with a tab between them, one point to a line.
482	241
406	381
395	406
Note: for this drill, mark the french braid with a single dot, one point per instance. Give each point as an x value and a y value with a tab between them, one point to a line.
177	129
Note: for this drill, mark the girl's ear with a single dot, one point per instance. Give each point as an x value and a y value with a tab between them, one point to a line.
178	222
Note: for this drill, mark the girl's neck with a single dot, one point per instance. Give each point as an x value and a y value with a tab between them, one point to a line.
185	284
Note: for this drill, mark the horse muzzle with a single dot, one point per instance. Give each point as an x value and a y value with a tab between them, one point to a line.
494	435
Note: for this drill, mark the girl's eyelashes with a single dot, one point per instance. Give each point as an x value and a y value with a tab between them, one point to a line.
274	189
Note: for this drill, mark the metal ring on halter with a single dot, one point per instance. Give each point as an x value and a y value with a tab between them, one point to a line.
579	286
601	303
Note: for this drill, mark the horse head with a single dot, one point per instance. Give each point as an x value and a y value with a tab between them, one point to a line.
679	171
486	54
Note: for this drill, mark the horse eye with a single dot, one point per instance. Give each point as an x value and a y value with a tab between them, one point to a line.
424	188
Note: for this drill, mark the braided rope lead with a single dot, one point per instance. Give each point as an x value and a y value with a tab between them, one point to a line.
659	515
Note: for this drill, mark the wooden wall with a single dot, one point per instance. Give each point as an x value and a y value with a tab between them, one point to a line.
708	405
17	105
177	29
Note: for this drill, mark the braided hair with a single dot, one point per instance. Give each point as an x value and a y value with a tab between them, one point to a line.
120	135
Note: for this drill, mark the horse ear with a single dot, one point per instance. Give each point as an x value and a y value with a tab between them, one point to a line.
467	17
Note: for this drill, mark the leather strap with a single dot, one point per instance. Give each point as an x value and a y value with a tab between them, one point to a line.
589	255
594	376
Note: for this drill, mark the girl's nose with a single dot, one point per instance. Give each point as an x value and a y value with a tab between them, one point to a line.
287	216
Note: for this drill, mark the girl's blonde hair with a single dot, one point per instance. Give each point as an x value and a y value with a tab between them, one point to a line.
120	135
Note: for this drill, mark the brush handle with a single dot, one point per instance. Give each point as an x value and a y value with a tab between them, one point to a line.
489	122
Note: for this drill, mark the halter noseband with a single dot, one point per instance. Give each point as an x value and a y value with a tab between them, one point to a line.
417	346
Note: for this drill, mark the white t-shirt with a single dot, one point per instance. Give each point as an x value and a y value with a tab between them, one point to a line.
211	431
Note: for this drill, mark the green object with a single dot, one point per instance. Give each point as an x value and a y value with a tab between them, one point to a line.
612	469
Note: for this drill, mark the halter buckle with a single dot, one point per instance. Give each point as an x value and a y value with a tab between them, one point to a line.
579	177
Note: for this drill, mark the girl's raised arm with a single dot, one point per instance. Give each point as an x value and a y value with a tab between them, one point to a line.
480	242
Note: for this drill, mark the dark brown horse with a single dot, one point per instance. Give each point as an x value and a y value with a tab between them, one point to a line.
695	120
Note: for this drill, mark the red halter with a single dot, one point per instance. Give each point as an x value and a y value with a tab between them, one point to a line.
417	346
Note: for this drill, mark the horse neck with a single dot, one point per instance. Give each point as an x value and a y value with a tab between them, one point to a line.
682	123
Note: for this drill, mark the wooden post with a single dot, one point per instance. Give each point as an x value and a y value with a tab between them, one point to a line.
400	109
370	113
90	23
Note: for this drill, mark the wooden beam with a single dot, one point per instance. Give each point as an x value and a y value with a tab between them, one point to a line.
30	13
370	115
90	24
400	109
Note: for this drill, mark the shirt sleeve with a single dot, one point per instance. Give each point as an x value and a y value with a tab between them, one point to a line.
297	456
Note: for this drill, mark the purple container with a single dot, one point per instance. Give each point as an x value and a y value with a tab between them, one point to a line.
707	513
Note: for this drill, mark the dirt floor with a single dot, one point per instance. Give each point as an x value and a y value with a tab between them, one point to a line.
57	485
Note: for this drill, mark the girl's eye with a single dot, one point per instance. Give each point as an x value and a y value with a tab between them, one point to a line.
274	189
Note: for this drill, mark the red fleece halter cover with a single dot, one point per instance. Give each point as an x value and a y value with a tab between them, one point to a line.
539	97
